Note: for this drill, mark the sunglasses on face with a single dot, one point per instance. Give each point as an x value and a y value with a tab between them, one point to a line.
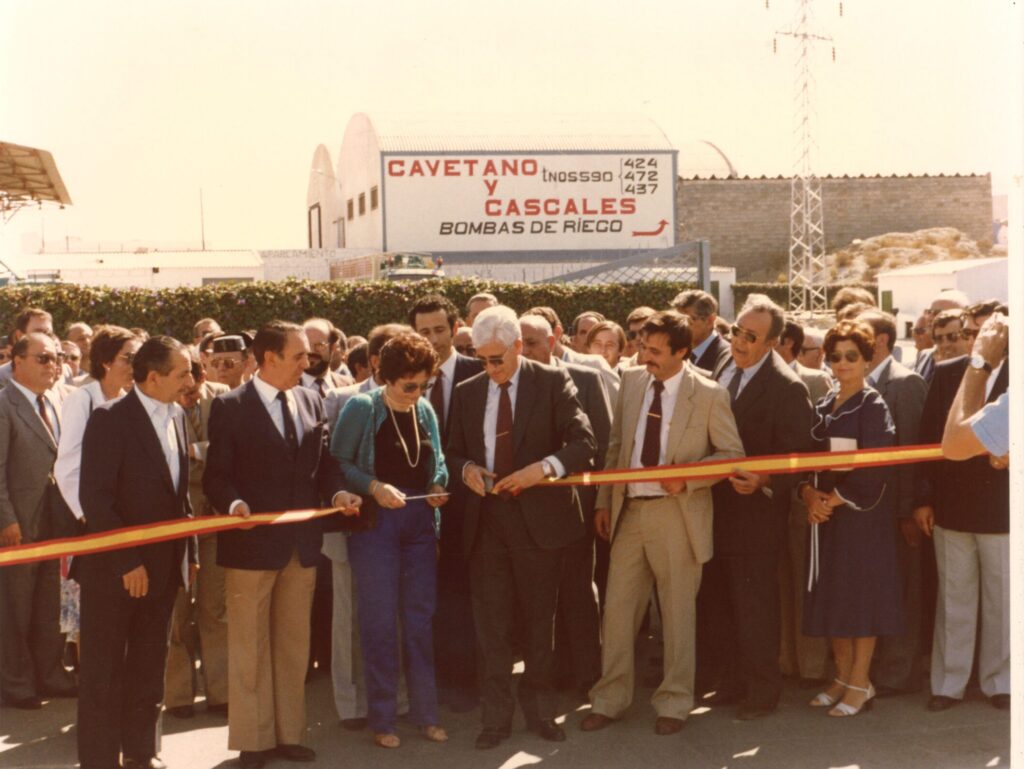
950	337
72	357
851	356
631	335
127	357
45	358
742	333
410	387
491	360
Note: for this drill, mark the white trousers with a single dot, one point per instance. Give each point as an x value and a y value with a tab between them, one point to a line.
970	565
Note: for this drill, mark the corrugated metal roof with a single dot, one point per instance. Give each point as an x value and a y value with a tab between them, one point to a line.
127	260
945	267
521	133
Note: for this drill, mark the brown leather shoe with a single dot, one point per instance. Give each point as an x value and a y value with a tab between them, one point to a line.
665	725
594	722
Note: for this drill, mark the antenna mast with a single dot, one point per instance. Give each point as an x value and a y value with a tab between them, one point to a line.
808	278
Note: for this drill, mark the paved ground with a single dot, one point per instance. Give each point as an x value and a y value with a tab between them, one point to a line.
897	732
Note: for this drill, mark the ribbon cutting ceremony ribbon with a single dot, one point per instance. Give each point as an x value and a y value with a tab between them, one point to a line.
716	469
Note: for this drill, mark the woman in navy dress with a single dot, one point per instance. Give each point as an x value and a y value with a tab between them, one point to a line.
853	583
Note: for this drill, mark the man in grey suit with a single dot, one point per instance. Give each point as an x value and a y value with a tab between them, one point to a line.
803	656
31	320
897	664
346	657
577	625
31	646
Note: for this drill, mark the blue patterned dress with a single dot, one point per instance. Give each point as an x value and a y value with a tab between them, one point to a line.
853	583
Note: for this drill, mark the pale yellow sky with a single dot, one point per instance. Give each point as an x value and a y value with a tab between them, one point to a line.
144	103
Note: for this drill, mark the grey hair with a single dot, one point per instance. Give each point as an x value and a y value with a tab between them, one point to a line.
762	303
537	323
496	324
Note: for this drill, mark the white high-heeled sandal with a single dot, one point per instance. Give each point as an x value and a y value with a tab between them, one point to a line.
826	700
842	710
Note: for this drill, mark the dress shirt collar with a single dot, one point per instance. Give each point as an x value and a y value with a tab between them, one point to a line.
748	373
154	406
310	381
267	392
699	349
447	367
31	396
671	384
876	373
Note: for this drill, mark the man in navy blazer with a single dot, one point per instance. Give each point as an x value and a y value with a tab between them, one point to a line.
134	472
269	452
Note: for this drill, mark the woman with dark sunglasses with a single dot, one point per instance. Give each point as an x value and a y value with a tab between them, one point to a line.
852	594
389	447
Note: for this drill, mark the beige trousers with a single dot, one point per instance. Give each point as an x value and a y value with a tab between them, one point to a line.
268	651
651	547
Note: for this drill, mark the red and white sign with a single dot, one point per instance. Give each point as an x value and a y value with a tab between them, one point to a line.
529	202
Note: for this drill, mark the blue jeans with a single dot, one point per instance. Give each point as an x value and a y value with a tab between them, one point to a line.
395	568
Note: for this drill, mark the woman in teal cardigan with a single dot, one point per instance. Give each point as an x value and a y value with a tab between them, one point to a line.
389	447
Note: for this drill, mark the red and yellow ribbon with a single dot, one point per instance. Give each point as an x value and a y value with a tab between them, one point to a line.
712	470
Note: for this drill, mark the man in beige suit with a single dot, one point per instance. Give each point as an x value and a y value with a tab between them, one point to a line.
660	532
801	656
209	611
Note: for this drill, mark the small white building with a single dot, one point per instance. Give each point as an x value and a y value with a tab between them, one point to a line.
151	269
909	290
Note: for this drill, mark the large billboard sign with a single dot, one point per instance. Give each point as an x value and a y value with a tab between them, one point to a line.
529	202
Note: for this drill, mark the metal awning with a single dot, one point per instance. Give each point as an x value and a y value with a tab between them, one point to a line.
27	176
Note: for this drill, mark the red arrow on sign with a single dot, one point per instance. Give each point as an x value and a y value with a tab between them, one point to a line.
661	228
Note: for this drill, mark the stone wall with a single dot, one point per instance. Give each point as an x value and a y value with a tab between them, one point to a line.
747	220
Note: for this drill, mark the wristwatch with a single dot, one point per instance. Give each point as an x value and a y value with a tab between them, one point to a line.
979	363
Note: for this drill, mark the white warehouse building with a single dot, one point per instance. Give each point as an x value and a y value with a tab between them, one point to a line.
488	188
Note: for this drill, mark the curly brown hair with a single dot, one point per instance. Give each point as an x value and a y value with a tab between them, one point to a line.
406	355
856	331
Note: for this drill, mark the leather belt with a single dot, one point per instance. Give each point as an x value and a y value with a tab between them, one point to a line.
646	499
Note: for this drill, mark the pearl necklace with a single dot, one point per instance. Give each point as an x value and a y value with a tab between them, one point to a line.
401	438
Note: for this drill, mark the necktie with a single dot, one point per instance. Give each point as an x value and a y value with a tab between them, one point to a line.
290	436
41	400
693	358
734	384
195	418
504	463
171	445
437	399
650	454
320	388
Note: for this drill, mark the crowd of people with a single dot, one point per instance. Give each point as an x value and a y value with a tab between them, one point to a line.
451	556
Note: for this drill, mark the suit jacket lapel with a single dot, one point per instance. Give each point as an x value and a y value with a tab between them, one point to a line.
31	418
524	403
476	403
754	389
306	417
883	380
681	413
147	435
631	415
181	434
261	417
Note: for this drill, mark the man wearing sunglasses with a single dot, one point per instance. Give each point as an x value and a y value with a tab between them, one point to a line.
738	620
950	334
945	300
513	426
31	320
31	646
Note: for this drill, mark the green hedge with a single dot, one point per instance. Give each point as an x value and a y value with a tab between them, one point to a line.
356	307
779	292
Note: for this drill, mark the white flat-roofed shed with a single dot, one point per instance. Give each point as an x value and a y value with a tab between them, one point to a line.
498	187
151	269
910	290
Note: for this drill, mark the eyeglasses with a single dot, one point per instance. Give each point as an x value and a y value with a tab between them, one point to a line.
320	346
491	360
45	358
72	357
127	357
631	335
410	387
223	363
851	356
950	337
806	350
737	331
